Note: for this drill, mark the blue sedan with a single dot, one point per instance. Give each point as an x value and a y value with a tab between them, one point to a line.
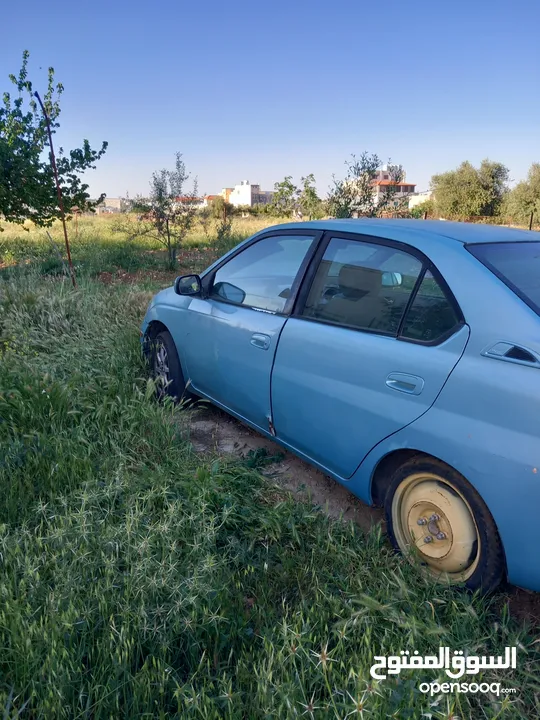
400	357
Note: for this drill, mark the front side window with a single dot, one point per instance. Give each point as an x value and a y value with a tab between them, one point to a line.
362	285
262	275
517	264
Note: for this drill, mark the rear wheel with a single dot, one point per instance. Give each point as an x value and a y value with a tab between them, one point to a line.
433	513
166	369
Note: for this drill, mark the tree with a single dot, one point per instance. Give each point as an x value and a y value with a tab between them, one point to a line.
355	195
469	191
524	199
427	207
221	208
27	185
309	202
169	213
284	200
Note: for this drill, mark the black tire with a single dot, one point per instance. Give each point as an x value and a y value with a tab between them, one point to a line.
166	369
471	552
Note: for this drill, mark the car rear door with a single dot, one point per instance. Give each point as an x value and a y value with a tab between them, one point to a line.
372	340
230	336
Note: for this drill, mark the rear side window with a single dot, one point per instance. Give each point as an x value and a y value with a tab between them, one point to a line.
431	316
363	286
517	264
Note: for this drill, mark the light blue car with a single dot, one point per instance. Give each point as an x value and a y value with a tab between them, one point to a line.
400	357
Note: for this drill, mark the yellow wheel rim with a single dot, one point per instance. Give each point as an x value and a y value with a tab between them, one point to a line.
432	516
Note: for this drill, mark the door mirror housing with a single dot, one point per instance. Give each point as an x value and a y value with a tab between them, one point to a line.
188	285
392	279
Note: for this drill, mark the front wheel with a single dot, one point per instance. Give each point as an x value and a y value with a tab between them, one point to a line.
433	513
166	369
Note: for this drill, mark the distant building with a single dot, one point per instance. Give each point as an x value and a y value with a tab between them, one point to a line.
402	189
110	205
226	194
248	194
419	198
383	180
190	200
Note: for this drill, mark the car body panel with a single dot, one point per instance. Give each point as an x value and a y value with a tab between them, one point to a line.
337	392
482	420
229	353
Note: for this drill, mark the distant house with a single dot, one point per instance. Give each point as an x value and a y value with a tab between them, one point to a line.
110	205
419	197
190	200
248	194
401	189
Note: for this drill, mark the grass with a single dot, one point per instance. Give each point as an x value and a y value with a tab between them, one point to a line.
139	580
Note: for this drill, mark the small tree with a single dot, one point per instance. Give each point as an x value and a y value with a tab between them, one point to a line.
27	184
221	209
309	202
205	219
524	199
284	200
170	212
355	196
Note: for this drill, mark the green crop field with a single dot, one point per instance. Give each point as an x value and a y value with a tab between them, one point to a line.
138	579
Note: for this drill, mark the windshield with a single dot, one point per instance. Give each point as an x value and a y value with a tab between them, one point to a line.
517	264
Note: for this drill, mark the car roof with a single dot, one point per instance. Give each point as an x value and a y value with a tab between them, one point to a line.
440	230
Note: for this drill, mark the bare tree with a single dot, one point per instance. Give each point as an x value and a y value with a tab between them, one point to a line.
169	213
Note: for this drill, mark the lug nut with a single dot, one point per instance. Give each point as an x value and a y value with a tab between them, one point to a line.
440	536
434	518
428	539
421	521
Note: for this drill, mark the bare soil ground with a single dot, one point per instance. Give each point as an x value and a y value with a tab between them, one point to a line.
213	432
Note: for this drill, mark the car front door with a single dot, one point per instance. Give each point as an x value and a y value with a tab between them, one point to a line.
373	338
231	334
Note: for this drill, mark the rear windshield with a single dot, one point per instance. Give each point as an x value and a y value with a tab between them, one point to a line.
517	264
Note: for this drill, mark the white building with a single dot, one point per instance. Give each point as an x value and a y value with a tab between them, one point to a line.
248	194
419	198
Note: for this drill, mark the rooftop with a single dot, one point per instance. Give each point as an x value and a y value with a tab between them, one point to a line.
391	182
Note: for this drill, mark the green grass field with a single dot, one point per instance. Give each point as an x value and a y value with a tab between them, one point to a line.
138	579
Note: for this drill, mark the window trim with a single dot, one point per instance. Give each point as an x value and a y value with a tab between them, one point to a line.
427	264
508	283
208	279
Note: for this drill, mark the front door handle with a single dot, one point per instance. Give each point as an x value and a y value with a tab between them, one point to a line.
410	384
261	341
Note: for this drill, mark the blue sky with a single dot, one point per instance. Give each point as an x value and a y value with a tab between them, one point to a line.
259	90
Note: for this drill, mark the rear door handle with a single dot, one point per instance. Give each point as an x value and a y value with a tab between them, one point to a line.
410	384
261	341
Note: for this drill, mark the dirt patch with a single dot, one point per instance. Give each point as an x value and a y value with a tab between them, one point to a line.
214	432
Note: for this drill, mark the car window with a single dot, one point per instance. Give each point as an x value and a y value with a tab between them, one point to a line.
262	275
431	315
517	264
362	285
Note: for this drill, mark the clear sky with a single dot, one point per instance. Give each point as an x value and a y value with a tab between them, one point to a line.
259	90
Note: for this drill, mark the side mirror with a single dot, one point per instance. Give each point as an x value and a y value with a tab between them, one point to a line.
229	292
187	285
392	279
